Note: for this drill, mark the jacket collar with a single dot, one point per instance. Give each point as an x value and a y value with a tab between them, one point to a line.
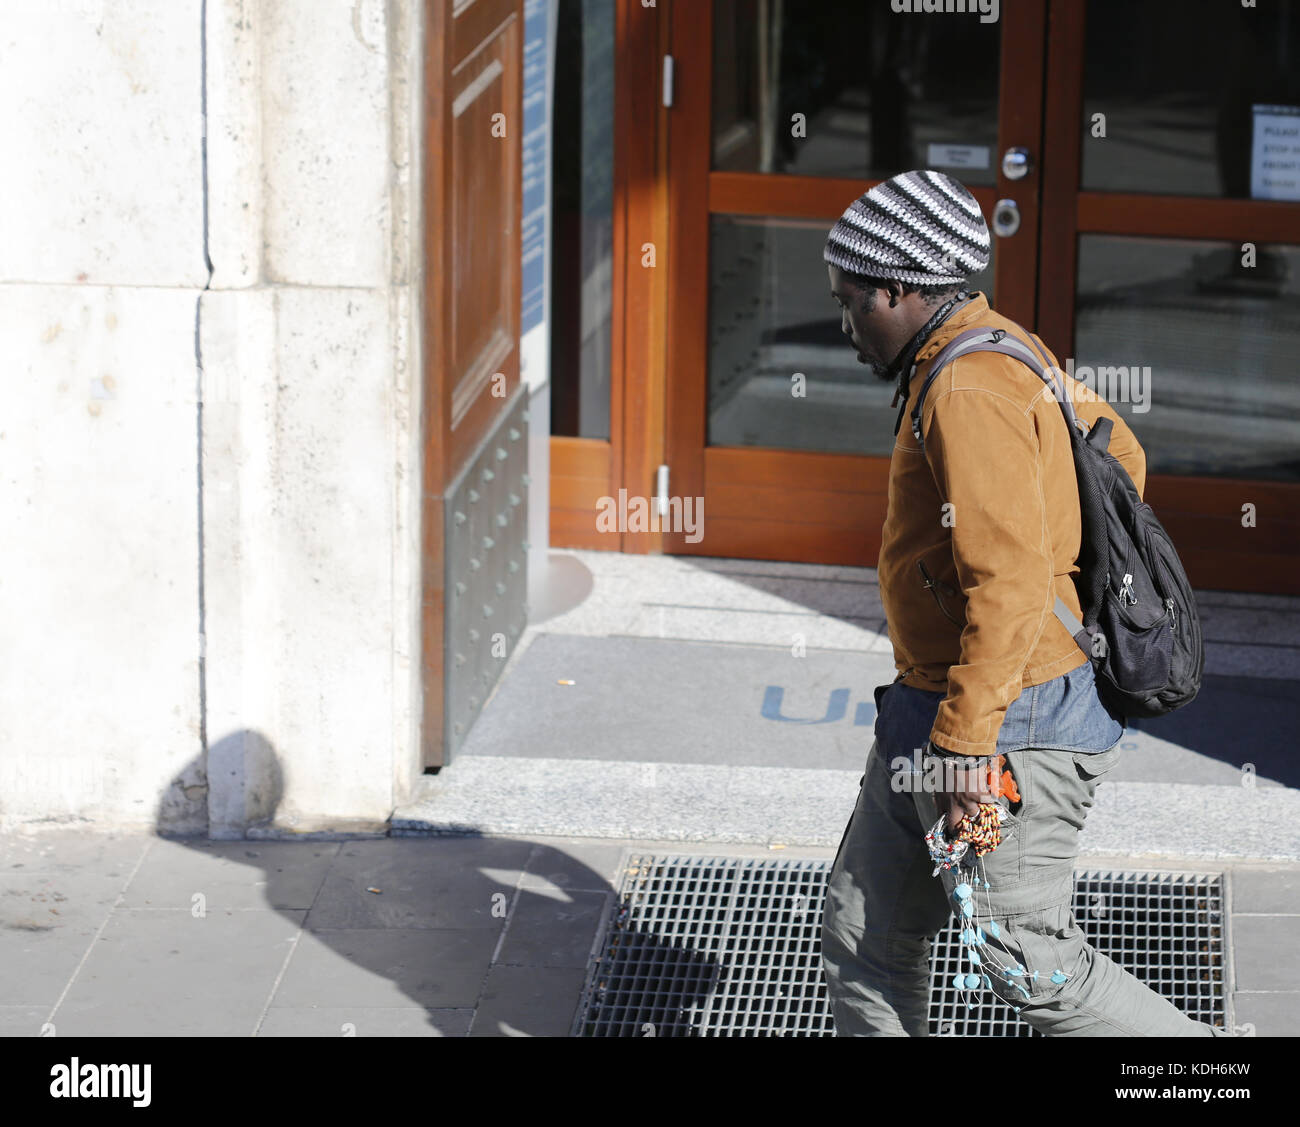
957	321
947	322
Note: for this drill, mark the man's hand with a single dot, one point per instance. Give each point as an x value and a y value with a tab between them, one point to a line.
963	785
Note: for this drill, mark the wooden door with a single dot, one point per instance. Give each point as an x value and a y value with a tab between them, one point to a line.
1165	172
472	202
782	477
751	197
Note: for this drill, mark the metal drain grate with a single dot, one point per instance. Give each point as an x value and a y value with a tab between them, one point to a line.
724	946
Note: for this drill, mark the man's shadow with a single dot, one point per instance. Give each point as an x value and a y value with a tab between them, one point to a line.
244	784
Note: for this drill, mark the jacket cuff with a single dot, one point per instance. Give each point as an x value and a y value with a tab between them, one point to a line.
952	748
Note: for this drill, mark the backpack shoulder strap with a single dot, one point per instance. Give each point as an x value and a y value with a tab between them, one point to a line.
999	340
993	340
972	340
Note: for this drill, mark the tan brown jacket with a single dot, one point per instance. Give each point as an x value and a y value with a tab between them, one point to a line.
997	455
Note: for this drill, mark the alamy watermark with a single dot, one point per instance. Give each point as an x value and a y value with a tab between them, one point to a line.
934	774
651	514
1122	383
987	9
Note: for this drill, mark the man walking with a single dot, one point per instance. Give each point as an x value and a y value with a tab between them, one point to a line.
980	538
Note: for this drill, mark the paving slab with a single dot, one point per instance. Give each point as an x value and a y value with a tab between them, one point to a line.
780	631
547	933
365	1021
528	1002
170	973
230	874
573	863
1266	1015
1264	951
368	967
439	884
1272	890
48	920
112	855
22	1021
1263	660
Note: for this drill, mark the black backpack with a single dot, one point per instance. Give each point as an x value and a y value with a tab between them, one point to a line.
1140	626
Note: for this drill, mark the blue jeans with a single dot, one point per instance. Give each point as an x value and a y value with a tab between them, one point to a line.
883	906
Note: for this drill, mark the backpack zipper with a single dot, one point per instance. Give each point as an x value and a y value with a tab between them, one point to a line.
1126	595
1126	592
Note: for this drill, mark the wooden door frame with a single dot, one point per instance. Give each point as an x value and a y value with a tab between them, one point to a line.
761	500
1202	514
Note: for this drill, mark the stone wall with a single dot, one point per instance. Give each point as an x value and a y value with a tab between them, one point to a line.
209	443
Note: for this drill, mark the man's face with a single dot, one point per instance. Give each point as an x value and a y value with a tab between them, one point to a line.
868	332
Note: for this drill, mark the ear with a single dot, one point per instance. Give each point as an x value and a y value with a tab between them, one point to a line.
894	289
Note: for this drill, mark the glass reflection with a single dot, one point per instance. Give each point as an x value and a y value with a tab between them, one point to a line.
1177	92
773	329
878	91
582	219
1195	345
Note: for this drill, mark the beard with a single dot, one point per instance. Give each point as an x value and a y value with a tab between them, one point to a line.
882	372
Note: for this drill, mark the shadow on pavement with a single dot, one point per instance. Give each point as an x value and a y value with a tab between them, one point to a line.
453	926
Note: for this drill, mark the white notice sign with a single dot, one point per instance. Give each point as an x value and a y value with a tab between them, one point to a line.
957	156
1275	155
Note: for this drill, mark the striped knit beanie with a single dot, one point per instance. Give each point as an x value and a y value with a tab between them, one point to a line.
922	228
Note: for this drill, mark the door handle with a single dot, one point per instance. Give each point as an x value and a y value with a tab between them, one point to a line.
1017	164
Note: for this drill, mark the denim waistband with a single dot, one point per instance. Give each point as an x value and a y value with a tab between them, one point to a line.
1065	713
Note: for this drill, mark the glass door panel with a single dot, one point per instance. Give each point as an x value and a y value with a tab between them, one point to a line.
796	101
582	220
1177	95
1171	222
879	92
780	372
782	115
1195	351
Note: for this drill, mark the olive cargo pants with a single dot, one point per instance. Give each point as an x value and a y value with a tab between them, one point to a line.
883	906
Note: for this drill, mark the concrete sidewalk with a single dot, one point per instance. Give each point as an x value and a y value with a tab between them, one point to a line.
437	936
680	695
143	936
701	706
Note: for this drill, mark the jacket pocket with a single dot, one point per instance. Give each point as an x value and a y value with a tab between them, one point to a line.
938	589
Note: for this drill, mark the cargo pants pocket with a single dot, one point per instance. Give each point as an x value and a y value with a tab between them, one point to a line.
1092	765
